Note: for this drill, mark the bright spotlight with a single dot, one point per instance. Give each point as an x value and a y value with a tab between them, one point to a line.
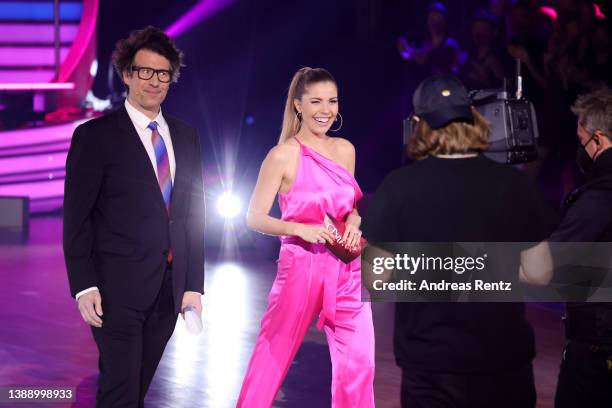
228	205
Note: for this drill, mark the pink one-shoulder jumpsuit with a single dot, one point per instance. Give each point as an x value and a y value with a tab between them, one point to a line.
310	281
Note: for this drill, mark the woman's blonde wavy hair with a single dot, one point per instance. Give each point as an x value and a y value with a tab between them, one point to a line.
454	138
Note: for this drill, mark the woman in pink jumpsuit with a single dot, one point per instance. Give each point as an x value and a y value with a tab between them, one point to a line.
310	280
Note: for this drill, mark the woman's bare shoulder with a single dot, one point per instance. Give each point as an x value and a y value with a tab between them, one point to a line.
283	152
343	146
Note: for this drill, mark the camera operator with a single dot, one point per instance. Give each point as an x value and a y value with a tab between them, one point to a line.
462	354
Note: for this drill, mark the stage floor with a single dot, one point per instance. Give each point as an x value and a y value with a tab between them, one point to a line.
44	342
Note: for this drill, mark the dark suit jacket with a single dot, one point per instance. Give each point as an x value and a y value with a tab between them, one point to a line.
116	228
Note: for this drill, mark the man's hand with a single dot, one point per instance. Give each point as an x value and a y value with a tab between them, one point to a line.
192	299
90	307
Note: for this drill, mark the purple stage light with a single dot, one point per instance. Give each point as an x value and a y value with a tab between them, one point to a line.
32	163
18	138
33	56
36	149
35	190
83	50
198	13
42	176
50	86
34	75
19	33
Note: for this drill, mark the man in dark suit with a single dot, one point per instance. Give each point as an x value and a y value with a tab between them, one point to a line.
585	376
134	221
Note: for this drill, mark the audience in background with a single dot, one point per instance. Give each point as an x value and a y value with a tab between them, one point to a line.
564	49
439	53
483	68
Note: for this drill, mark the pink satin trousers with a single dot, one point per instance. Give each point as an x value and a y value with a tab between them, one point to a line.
310	281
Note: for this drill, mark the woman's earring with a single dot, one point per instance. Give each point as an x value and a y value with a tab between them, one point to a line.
298	115
339	127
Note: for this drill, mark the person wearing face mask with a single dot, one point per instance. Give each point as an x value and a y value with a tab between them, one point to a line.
312	174
586	369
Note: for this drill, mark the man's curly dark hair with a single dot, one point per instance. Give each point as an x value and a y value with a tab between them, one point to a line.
150	38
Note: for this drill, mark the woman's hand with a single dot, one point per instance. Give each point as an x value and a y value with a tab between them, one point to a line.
315	234
352	233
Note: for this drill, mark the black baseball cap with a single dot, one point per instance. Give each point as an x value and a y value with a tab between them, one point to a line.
442	99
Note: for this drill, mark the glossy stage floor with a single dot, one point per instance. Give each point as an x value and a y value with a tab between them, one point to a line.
44	342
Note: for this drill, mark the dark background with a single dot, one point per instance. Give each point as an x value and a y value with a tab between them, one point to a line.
240	61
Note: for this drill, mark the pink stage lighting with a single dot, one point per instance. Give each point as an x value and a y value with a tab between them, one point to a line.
43	86
198	13
32	164
598	13
550	12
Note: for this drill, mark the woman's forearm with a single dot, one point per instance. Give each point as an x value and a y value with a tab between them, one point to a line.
268	225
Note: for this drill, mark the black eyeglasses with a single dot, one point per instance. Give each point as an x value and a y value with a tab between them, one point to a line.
146	73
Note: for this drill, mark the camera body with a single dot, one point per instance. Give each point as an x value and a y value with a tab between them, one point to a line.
514	129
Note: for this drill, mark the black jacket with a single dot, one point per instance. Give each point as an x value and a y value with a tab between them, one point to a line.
587	217
116	228
460	200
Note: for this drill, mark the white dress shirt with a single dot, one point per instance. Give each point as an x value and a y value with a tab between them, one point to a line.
141	123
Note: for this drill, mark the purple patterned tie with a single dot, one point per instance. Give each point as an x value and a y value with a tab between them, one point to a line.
163	170
163	164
